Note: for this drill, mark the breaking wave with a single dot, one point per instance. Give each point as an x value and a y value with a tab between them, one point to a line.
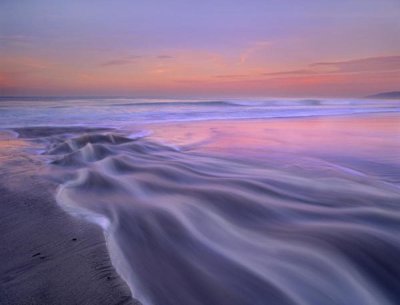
120	112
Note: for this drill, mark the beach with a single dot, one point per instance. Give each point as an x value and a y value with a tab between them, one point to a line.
200	152
48	256
294	210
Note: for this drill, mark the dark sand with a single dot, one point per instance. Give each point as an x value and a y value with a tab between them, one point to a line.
48	256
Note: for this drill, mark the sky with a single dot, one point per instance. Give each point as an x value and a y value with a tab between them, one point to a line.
209	48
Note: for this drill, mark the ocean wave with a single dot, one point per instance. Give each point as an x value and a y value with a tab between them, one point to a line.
186	228
119	112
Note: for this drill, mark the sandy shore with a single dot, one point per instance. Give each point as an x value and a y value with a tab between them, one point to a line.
48	257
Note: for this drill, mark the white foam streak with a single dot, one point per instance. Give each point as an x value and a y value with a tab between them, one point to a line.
190	229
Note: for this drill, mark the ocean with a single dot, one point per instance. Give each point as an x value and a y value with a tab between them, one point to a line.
117	112
228	201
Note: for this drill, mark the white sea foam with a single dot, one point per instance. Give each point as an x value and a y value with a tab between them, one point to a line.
189	229
118	113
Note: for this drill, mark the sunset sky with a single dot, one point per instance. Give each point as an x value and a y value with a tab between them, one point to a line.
184	48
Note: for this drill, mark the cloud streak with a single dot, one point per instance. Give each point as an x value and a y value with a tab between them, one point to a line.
363	65
16	41
291	73
383	63
165	57
121	61
256	47
231	76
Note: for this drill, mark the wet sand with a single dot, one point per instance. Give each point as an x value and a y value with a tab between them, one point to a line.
366	143
366	136
48	256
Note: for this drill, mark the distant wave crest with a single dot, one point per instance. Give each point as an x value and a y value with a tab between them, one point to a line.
122	112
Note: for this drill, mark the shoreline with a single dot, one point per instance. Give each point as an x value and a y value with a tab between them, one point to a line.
78	127
49	256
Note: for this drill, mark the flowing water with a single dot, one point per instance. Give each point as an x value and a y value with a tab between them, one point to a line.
232	212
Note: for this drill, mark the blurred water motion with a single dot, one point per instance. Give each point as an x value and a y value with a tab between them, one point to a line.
244	212
120	112
227	202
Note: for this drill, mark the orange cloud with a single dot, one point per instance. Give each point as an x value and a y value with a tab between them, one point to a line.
196	73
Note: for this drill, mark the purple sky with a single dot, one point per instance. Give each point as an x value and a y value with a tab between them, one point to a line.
199	48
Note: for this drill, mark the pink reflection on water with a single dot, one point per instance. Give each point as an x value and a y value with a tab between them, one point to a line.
376	137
